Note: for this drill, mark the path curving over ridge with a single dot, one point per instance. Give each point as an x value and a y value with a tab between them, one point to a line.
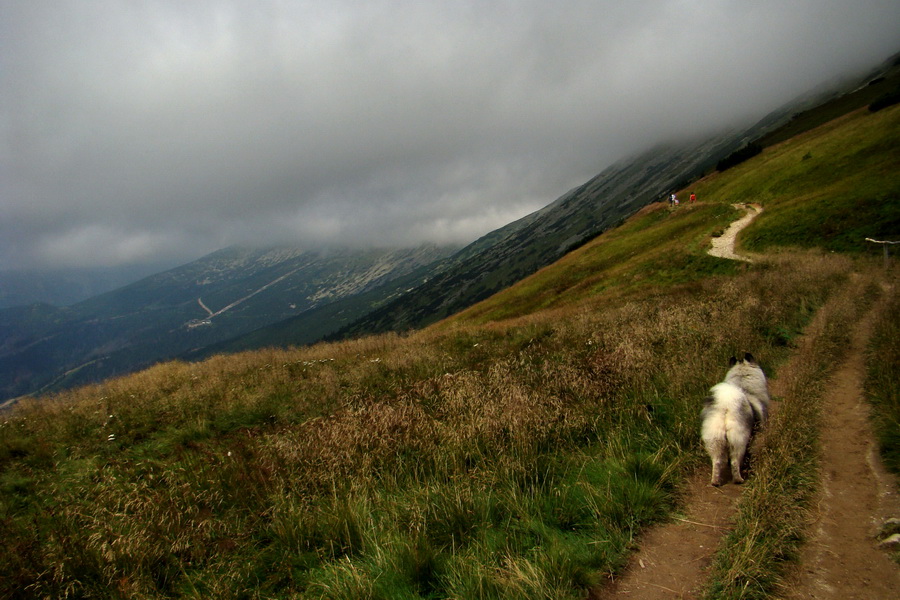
673	558
723	246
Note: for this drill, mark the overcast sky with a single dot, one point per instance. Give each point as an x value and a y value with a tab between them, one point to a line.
157	131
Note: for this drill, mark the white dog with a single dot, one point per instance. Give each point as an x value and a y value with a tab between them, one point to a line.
726	432
733	410
747	375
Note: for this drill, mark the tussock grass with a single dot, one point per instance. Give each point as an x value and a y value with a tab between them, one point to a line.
882	386
515	460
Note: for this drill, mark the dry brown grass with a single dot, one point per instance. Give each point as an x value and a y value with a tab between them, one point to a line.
315	472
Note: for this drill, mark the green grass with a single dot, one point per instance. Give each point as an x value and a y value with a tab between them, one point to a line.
658	249
882	386
515	451
829	188
502	462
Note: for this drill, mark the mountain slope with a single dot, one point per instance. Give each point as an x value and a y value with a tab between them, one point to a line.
832	201
507	255
521	248
64	287
314	324
215	298
515	454
285	296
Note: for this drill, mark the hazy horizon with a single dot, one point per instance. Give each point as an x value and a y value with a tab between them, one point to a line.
153	133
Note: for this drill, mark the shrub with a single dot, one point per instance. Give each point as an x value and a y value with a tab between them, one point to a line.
739	156
885	100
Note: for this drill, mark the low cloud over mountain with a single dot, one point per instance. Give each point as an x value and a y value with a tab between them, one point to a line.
159	131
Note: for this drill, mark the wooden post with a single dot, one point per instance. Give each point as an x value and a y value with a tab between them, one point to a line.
884	245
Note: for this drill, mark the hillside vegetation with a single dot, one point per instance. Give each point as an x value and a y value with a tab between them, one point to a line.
514	451
829	189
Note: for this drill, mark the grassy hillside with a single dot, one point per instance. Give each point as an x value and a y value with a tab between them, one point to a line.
643	257
882	385
513	452
829	188
507	255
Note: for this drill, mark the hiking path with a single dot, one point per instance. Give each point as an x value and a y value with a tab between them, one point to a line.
841	560
723	246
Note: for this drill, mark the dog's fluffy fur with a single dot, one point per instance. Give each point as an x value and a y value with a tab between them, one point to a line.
746	374
733	410
726	432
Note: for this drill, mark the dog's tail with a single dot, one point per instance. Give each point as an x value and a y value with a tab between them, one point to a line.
727	426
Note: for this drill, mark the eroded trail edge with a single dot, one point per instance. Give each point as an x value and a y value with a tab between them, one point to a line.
673	558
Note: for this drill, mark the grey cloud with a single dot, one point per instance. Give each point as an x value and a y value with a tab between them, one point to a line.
150	131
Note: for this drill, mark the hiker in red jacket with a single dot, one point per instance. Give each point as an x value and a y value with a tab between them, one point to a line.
693	197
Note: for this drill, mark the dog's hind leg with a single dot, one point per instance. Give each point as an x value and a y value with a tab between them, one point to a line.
718	453
737	452
736	463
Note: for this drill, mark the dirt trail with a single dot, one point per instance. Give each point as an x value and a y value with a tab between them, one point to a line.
723	246
841	561
673	558
858	495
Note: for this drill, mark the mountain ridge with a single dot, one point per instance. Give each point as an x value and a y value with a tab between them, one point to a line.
694	159
190	313
229	292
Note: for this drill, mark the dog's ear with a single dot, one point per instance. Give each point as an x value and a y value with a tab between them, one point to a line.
749	357
732	361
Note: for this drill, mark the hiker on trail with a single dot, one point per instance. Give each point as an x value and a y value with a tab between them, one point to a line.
693	197
673	200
